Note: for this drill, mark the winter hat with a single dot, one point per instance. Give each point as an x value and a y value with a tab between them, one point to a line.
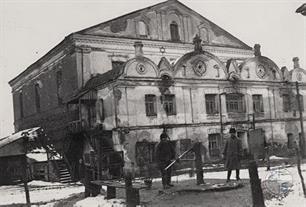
232	130
163	135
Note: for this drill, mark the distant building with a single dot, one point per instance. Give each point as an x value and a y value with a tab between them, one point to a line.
114	86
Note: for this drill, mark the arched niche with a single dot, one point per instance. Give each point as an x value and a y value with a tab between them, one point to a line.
141	67
260	68
175	26
201	65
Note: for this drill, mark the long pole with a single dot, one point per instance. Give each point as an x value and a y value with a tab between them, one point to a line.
25	179
303	148
221	121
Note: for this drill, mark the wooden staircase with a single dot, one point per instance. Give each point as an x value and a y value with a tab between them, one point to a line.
64	174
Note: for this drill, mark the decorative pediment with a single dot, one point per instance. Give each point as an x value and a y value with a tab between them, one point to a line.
154	23
260	68
199	64
141	67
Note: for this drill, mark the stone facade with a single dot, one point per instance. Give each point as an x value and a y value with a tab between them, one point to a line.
164	66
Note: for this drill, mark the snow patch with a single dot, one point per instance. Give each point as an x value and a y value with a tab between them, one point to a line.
99	201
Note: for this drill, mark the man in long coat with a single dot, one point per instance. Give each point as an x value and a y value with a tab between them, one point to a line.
164	154
200	153
232	154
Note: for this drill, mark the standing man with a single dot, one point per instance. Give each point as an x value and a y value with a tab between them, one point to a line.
200	155
164	154
232	153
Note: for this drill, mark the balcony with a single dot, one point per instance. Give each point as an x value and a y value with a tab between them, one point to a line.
76	126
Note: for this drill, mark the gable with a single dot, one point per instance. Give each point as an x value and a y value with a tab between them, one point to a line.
167	21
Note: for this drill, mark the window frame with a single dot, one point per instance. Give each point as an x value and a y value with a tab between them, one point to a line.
140	25
169	102
234	105
174	32
150	147
258	105
214	151
150	105
211	104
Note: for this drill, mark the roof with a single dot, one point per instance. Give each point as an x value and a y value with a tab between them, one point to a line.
18	135
302	9
98	80
68	40
101	79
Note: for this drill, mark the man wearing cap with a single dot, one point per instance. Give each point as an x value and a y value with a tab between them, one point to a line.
232	154
164	154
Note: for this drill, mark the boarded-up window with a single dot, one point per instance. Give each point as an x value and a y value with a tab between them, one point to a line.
174	31
142	28
258	103
204	34
235	103
37	97
290	143
185	144
211	103
214	145
150	101
168	101
145	152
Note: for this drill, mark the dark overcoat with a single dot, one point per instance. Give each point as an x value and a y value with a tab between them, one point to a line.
232	153
164	153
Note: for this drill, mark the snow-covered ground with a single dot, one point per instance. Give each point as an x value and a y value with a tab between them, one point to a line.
39	192
99	201
50	192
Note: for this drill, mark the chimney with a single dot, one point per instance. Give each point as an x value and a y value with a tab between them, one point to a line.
138	48
296	63
257	52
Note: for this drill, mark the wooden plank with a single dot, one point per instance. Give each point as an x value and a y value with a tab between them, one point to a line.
116	184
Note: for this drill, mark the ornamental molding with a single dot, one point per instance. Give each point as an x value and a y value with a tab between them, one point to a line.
261	71
157	44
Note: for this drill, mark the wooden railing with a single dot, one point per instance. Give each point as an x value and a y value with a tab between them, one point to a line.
77	126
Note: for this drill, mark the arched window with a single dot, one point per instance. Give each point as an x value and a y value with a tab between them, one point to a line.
204	34
174	31
142	28
37	97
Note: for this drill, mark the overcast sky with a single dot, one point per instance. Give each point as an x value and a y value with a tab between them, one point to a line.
29	29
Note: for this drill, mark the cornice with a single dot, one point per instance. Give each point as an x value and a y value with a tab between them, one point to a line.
157	44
